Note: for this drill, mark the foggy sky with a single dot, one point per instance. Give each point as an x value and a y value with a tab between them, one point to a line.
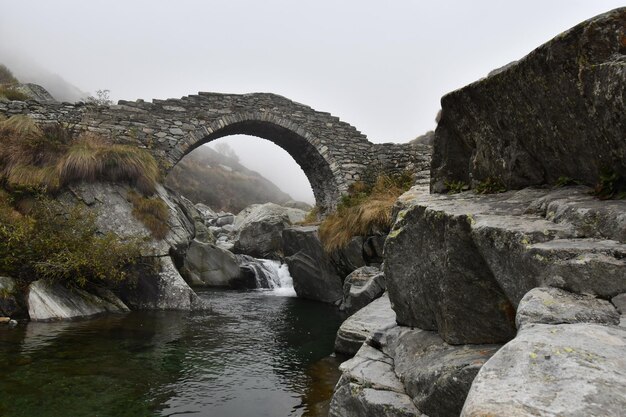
380	66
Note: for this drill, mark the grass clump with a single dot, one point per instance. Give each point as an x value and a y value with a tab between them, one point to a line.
490	186
611	186
455	187
152	212
6	76
10	93
44	159
312	217
366	210
60	243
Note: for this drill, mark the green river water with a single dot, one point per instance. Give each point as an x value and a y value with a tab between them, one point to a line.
255	354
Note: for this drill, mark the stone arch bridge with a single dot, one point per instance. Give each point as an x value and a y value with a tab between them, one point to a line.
332	154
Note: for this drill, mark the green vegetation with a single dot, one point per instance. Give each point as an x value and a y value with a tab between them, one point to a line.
364	211
564	181
55	242
611	186
312	217
490	186
6	76
455	187
152	212
46	159
41	238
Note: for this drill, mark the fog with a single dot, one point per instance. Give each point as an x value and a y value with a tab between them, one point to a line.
381	67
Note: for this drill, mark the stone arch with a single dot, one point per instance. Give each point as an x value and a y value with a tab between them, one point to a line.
316	161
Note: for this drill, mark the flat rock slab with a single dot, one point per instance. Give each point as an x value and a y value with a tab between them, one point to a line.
54	302
376	316
574	370
369	387
461	263
556	306
361	287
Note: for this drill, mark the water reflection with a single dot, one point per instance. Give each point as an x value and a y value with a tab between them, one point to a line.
253	355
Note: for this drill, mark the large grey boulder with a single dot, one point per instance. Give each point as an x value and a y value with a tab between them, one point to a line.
362	287
461	263
558	112
314	275
575	370
209	265
52	301
556	306
349	258
369	387
260	226
375	317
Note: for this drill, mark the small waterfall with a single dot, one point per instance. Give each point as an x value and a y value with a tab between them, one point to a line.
269	275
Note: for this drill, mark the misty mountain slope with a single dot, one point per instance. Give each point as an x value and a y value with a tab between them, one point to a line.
221	182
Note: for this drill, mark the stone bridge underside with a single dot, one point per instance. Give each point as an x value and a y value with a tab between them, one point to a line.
331	153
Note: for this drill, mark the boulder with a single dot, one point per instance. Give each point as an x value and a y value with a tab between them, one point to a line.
362	287
350	257
259	229
373	249
314	275
556	306
166	290
10	305
437	376
52	301
461	263
225	219
558	112
369	387
35	92
210	265
575	370
375	317
619	301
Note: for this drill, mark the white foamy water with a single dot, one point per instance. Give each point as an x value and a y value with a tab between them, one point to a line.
279	281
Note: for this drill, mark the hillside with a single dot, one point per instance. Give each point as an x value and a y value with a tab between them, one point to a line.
221	182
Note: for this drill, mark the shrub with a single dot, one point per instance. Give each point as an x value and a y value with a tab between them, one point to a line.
55	242
46	159
455	187
490	186
10	93
6	76
610	186
364	211
152	212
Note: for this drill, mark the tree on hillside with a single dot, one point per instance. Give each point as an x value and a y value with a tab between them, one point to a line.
226	150
101	99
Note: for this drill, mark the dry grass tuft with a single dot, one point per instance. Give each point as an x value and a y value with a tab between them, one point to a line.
365	211
49	158
152	212
10	93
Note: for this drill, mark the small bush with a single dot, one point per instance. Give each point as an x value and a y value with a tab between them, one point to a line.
364	211
611	186
490	186
455	187
6	76
152	212
312	217
564	181
10	93
59	243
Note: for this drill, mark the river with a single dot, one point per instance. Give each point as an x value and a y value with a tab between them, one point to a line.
258	353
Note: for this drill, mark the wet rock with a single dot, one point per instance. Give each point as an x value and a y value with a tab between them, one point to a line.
260	227
314	275
10	304
166	290
209	265
573	370
373	248
349	258
369	387
556	306
375	317
558	112
52	301
362	287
